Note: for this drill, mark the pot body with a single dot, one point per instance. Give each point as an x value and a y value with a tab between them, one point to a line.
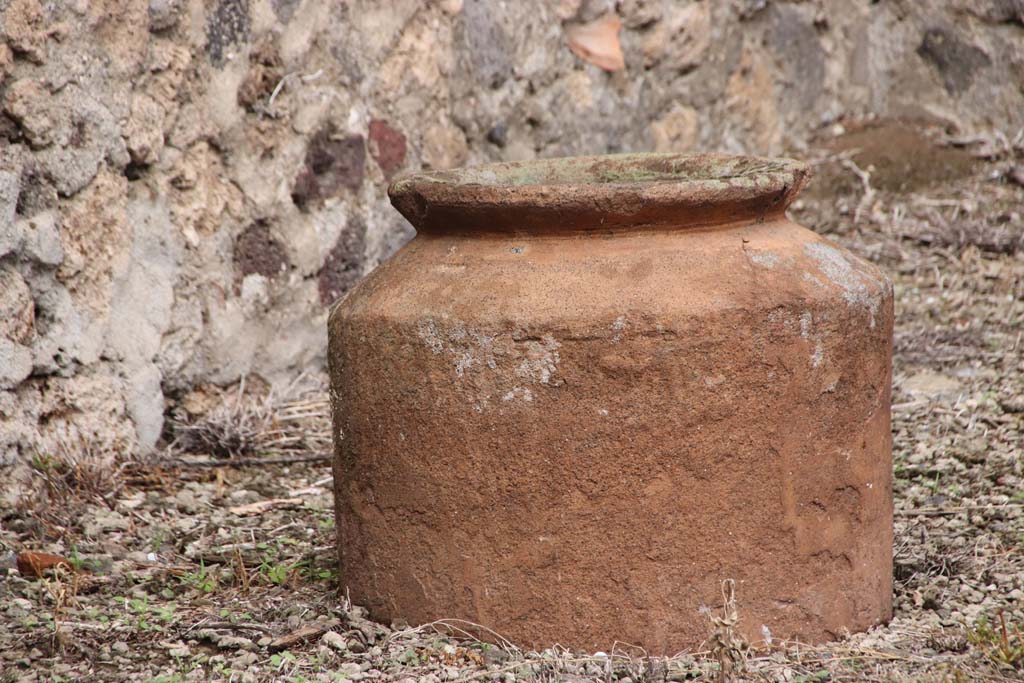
575	438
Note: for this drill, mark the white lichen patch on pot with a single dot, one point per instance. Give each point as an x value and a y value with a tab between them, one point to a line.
857	286
767	259
806	329
617	327
468	347
818	354
521	393
474	351
541	360
427	331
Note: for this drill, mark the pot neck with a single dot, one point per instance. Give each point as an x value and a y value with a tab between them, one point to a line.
600	194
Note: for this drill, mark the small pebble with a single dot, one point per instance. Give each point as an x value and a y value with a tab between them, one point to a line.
348	669
333	640
235	643
19	607
243	660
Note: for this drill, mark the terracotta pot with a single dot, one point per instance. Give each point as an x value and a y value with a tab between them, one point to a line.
592	389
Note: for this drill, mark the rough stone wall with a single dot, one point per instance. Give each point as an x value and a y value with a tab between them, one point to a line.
185	185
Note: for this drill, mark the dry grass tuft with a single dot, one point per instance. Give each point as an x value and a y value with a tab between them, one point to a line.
249	422
55	487
72	473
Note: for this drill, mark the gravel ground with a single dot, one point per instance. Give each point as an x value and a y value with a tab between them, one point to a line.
174	570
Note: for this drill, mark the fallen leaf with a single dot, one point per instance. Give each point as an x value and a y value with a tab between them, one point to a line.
261	506
34	564
597	42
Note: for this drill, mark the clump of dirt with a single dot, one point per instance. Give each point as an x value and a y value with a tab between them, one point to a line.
898	155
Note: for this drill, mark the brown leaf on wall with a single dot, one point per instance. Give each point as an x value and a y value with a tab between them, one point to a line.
597	42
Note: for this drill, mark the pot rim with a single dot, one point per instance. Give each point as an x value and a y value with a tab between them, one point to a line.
600	192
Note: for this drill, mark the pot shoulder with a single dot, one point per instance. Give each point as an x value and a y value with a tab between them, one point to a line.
579	280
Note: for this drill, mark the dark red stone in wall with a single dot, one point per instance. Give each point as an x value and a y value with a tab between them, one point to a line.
344	264
257	251
333	163
387	145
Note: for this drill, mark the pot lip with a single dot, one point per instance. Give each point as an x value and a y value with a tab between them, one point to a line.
615	186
